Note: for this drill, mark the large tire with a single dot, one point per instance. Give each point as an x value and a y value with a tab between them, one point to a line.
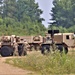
21	50
65	50
62	49
45	49
6	51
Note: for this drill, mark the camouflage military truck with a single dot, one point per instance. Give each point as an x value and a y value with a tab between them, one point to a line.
34	41
12	45
64	42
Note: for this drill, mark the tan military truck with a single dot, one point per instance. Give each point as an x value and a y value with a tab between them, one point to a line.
67	40
64	42
12	45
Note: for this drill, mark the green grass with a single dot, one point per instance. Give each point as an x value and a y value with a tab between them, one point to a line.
51	64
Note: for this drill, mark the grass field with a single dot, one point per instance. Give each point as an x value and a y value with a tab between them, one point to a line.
51	64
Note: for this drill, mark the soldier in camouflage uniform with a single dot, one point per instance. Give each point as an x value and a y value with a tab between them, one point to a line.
25	47
15	45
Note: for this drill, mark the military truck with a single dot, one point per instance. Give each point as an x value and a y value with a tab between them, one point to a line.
64	42
67	40
34	41
12	45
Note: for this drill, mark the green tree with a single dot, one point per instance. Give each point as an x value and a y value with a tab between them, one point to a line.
63	13
21	17
28	8
9	8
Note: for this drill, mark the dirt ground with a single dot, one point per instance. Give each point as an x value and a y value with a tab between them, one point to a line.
6	69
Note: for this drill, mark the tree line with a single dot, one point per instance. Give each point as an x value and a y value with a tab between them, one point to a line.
20	17
63	15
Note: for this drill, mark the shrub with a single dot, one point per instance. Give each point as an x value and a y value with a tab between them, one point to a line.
46	65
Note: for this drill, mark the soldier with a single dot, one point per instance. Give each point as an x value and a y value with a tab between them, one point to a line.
26	44
25	47
15	45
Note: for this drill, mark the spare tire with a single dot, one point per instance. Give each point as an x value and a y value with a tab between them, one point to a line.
36	38
6	51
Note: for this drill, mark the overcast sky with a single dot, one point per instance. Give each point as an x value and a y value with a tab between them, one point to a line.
46	6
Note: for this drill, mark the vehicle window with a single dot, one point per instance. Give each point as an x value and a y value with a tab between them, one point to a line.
67	37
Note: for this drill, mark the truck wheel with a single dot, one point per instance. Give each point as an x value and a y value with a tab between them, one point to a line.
61	48
65	50
21	50
45	49
6	51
